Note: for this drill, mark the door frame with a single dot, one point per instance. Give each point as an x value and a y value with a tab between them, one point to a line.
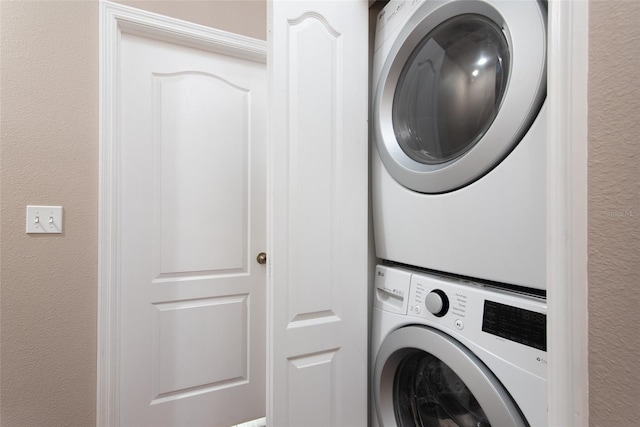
567	150
116	19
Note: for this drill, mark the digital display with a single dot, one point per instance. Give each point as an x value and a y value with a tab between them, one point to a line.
515	324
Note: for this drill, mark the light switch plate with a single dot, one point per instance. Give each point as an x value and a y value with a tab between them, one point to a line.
44	219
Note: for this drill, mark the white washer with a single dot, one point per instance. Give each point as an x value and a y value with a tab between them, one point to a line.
451	352
459	123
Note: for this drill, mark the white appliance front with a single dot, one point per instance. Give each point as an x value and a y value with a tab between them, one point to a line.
451	352
459	125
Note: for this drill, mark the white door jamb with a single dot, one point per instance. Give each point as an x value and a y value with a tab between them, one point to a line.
567	292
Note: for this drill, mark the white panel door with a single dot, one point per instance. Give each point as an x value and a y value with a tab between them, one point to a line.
317	61
191	199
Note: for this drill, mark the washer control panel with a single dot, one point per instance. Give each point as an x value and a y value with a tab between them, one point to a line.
428	297
512	325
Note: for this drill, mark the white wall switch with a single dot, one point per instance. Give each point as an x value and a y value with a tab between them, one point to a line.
44	219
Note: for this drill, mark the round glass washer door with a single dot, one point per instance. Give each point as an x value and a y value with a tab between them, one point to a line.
424	378
461	85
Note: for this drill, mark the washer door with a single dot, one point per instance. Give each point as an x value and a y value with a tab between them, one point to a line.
461	86
423	377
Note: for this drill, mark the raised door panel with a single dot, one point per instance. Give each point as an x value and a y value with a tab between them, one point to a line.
182	362
314	379
313	122
200	151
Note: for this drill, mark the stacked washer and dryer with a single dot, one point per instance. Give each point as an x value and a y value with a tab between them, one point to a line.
459	206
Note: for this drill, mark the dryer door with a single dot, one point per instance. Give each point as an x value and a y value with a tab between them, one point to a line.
423	377
460	87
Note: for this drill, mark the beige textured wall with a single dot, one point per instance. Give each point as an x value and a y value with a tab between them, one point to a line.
614	213
49	155
49	100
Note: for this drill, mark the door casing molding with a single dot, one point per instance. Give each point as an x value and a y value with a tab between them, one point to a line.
116	19
567	150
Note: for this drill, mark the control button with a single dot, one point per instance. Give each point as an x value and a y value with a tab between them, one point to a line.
437	303
417	309
459	324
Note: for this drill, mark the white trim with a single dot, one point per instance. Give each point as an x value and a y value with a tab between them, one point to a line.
568	389
269	401
114	20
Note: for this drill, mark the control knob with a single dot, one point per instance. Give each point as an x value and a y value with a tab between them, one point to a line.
437	303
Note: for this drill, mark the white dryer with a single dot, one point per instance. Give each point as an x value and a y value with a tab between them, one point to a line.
459	124
448	352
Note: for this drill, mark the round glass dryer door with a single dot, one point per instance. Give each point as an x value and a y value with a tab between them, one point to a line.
462	84
424	378
450	89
